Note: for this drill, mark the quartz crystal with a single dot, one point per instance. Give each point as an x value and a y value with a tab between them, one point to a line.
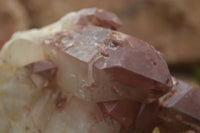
80	75
180	109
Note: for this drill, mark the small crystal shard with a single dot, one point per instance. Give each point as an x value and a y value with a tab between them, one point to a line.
41	72
123	111
99	17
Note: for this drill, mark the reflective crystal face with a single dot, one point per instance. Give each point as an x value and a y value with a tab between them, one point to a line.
116	60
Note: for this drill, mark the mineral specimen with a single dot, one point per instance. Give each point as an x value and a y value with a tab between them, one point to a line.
80	75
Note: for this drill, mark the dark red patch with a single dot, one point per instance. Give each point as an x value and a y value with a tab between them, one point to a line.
42	72
61	100
123	111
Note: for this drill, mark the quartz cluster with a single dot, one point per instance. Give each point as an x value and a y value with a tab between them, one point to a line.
80	75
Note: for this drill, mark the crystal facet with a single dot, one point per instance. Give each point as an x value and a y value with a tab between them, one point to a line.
180	109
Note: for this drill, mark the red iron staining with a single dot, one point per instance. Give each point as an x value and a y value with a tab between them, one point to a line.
60	101
42	72
123	111
180	109
99	17
131	64
146	119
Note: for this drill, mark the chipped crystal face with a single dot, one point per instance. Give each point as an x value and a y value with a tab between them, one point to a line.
81	75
